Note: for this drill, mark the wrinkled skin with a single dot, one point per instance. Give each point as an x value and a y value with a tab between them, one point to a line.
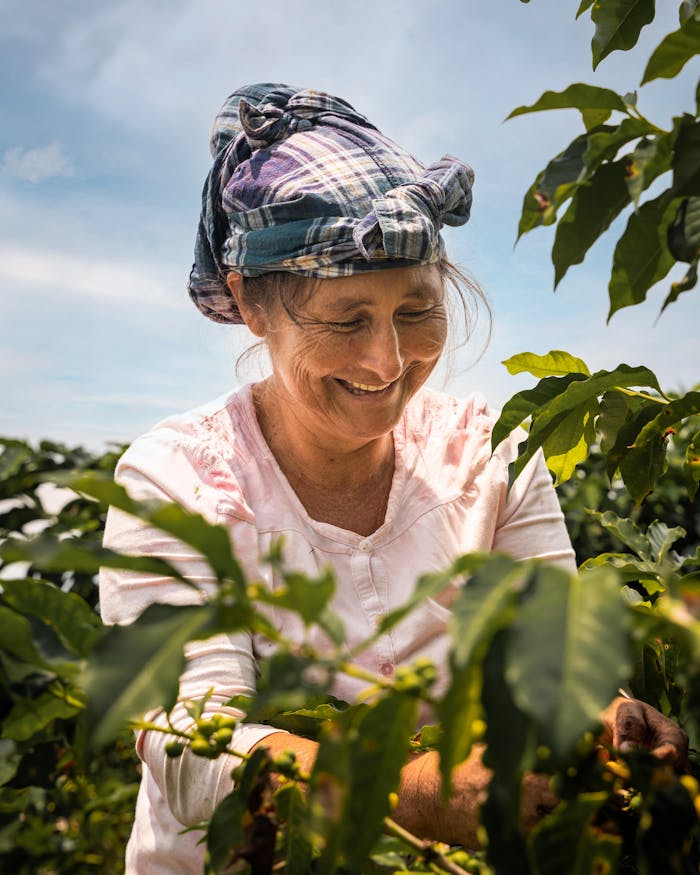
629	724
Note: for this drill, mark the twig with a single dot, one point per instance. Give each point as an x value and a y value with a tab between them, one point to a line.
429	850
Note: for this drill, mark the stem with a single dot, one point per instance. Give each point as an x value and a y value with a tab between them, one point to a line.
634	112
170	730
644	395
355	671
429	850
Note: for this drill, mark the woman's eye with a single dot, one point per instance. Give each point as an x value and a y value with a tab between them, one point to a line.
345	326
417	314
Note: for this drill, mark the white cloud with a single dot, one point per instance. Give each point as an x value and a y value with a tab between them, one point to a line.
37	164
98	279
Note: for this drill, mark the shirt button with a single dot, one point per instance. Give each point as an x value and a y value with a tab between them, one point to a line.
365	545
386	668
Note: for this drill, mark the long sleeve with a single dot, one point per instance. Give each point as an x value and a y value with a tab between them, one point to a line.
192	786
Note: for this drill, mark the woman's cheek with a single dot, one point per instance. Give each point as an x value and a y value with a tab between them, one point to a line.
430	337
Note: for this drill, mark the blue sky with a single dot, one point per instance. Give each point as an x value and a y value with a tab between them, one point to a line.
106	109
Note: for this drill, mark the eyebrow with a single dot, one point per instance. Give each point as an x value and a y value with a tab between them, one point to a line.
345	304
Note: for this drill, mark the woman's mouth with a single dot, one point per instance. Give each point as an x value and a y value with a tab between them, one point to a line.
363	388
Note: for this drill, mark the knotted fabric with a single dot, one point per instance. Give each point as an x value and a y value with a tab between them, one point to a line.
301	182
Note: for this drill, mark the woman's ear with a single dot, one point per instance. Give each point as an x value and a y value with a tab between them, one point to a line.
253	317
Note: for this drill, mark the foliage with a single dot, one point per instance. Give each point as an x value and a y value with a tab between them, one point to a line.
506	683
597	183
591	489
53	809
570	408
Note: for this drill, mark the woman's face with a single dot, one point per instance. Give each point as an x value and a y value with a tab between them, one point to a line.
360	348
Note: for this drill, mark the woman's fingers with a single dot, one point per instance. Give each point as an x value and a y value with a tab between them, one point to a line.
630	729
631	723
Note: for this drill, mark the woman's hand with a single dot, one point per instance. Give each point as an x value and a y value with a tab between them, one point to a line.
631	723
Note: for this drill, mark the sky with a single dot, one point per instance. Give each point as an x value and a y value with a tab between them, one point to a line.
105	112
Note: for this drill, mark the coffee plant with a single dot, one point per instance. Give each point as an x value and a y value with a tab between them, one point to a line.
625	455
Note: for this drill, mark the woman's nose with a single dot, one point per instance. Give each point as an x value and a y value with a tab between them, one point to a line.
381	354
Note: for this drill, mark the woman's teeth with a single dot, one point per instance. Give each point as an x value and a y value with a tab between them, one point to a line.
357	388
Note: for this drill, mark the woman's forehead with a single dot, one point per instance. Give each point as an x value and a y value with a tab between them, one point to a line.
423	282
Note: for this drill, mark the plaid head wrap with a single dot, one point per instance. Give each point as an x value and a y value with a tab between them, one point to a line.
303	183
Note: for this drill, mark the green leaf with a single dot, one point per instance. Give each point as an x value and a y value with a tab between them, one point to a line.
641	410
289	681
13	456
556	363
690	562
683	234
47	553
604	144
689	281
592	118
686	158
642	466
614	408
308	721
484	605
9	760
478	611
593	207
579	396
75	623
675	50
225	832
691	468
211	540
618	24
625	530
297	848
628	568
226	835
641	256
568	445
564	680
429	586
668	416
29	716
306	596
650	158
662	538
378	753
510	743
578	96
554	185
329	788
686	9
137	667
585	4
524	404
567	841
21	638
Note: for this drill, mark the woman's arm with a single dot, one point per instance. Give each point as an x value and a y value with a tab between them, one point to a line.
626	723
420	809
160	466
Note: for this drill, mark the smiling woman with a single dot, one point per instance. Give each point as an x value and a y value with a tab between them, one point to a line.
342	451
345	364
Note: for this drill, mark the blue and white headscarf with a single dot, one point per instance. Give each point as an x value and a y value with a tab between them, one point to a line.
303	183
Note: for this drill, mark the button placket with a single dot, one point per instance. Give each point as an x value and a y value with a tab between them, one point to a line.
373	603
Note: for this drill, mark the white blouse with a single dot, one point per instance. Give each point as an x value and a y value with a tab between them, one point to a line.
448	497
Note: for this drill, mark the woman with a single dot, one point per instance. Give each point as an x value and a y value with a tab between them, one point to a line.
322	236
